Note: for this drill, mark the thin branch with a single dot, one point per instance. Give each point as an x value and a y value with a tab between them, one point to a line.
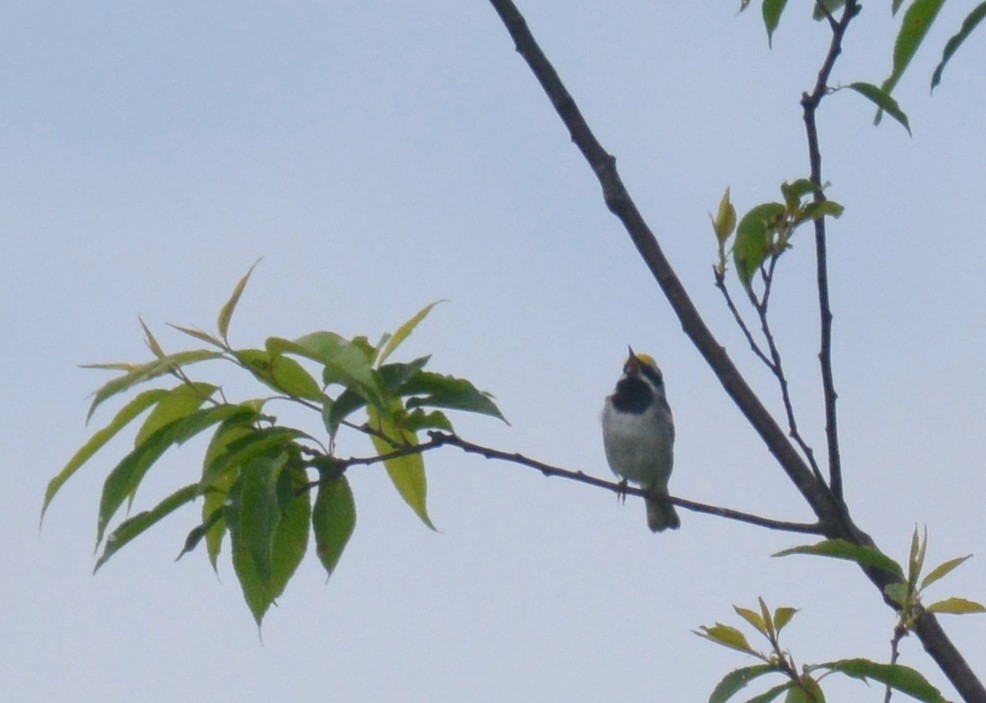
777	367
740	322
620	488
810	103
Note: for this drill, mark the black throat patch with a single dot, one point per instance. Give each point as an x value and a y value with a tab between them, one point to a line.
633	395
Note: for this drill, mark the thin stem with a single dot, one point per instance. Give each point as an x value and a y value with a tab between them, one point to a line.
810	103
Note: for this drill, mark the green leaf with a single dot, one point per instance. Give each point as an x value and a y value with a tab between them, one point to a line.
831	5
734	681
258	442
132	527
898	593
841	549
819	209
753	240
901	678
226	314
914	27
794	192
883	100
438	391
727	637
253	516
768	621
956	606
394	376
407	473
770	695
126	476
180	402
334	413
915	561
152	343
807	692
772	10
418	420
753	618
126	414
344	361
333	520
404	331
201	530
291	537
782	616
943	570
291	378
200	335
146	372
724	223
969	24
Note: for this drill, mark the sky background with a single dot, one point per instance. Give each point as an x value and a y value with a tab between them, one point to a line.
382	155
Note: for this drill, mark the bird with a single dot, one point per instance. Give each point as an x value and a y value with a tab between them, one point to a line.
638	436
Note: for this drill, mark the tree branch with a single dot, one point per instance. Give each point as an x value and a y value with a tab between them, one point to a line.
810	103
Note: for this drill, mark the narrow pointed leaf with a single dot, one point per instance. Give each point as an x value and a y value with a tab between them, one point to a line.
149	371
883	100
753	618
200	335
333	520
768	621
953	44
913	29
126	476
901	678
438	391
134	526
258	514
772	10
841	549
724	223
956	606
407	473
152	343
734	681
291	537
226	314
404	331
180	402
342	407
126	415
943	570
727	637
201	530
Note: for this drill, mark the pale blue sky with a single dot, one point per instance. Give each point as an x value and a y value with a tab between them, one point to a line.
380	156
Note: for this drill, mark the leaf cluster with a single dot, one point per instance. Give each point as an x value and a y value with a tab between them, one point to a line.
264	485
801	685
765	232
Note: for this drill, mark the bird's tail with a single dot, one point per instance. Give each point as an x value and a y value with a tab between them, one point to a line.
661	515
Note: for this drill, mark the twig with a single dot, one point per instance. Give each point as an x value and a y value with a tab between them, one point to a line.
899	633
809	104
740	322
443	439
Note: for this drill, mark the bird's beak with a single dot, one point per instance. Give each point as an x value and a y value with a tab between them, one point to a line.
633	363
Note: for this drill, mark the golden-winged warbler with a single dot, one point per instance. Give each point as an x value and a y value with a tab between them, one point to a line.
638	435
